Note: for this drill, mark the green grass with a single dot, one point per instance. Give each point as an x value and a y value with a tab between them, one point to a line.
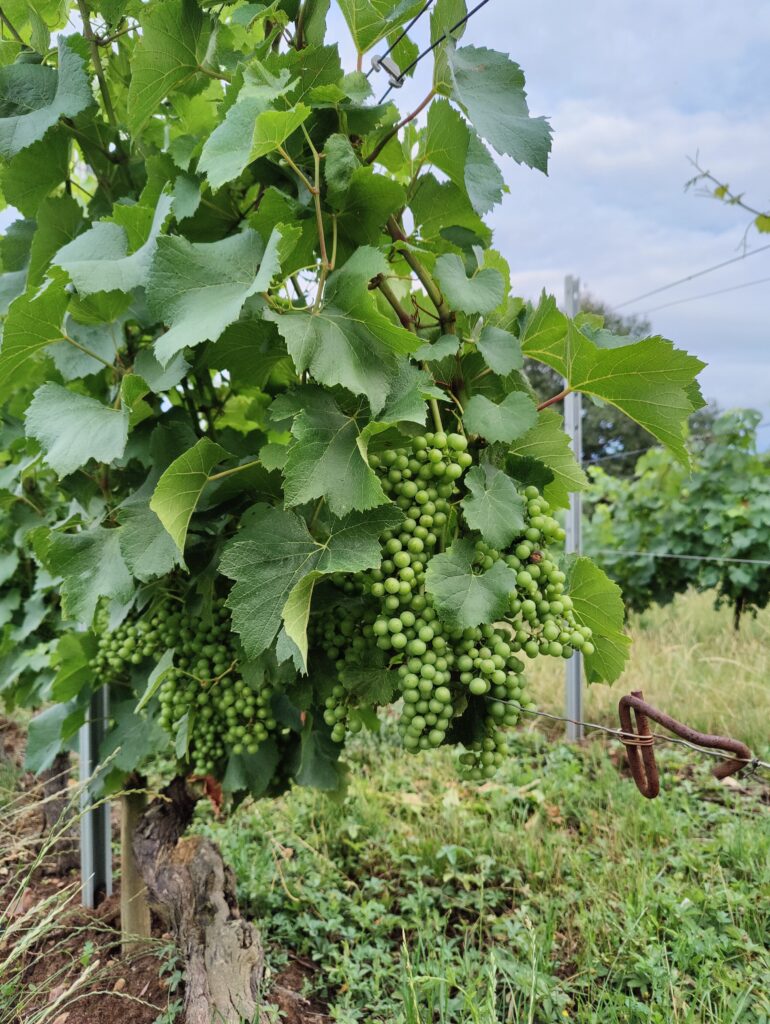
555	893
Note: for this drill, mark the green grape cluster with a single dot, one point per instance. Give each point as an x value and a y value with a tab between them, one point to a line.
203	692
441	671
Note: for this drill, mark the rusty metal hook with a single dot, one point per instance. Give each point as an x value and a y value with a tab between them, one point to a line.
639	743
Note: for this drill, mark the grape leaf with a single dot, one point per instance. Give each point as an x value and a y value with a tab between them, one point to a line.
99	261
296	613
318	764
200	287
147	547
73	428
463	597
252	772
348	342
46	736
91	566
72	660
409	389
328	458
172	48
34	321
132	739
179	489
160	378
59	221
339	164
481	293
274	552
451	146
33	97
509	420
548	443
247	132
366	205
598	603
493	506
650	381
156	677
369	685
35	172
500	349
489	87
372	20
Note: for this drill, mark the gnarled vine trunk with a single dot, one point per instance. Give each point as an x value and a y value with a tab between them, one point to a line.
190	885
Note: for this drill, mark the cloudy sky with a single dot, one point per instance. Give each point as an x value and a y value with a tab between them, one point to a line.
632	90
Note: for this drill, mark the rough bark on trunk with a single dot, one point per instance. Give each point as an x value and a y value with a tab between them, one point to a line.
134	908
195	890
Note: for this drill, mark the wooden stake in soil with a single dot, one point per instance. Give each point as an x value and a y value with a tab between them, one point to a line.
134	908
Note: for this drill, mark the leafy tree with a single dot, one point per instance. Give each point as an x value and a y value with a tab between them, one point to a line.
719	511
260	358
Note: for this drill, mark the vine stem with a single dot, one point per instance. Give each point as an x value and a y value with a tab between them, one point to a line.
397	128
9	25
407	321
231	472
98	66
554	399
94	355
300	174
445	314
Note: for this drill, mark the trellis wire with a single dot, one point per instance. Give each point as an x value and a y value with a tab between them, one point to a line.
433	45
401	35
752	763
671	554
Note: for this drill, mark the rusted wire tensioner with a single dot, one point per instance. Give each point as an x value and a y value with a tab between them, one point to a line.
639	743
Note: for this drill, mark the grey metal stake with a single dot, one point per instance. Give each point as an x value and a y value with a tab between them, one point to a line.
95	824
573	424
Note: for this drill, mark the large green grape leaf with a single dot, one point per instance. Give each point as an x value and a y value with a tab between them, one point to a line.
252	773
148	548
548	443
72	660
500	349
35	172
296	614
33	97
463	596
72	429
480	293
318	763
364	208
59	221
509	420
348	341
199	288
489	87
132	739
99	260
372	20
172	48
179	489
340	161
598	603
248	131
492	505
328	457
275	552
650	381
91	566
34	321
451	146
47	733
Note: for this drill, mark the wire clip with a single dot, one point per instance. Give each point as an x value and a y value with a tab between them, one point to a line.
639	743
389	66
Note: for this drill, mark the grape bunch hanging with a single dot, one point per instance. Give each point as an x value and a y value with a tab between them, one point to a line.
443	671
